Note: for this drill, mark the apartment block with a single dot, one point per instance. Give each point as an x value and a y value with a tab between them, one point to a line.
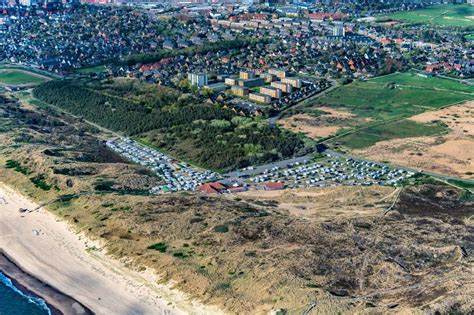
278	73
267	77
285	87
271	91
231	81
261	98
250	83
295	82
246	75
197	79
240	91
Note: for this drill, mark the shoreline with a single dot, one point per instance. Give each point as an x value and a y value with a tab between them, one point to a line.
57	302
77	268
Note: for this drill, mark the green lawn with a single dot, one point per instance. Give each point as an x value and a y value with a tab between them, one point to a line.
409	79
439	15
394	130
17	77
398	95
469	37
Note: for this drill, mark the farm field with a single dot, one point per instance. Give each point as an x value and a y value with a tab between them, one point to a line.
19	77
393	98
397	95
438	15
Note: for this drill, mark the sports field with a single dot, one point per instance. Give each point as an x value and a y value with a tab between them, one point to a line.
397	95
439	15
19	77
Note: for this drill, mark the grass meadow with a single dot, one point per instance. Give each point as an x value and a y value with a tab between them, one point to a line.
447	15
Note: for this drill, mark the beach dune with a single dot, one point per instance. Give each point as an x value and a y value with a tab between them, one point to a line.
47	248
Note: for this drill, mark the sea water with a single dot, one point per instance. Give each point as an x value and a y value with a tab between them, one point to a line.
15	302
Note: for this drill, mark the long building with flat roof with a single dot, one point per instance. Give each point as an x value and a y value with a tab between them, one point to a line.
250	83
295	82
278	73
245	75
240	91
285	87
261	98
270	91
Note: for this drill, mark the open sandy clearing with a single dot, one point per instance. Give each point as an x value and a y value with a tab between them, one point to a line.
75	265
459	118
322	126
325	203
304	123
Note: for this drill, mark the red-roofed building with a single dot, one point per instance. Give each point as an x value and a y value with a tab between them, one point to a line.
237	189
274	186
327	16
212	188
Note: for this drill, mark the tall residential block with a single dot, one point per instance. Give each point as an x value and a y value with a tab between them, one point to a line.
278	73
271	91
295	82
285	87
197	79
246	75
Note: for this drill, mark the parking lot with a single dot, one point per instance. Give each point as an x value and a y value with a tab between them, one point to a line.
328	170
309	171
176	176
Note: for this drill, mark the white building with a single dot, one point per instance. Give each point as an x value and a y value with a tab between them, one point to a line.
197	79
28	3
339	31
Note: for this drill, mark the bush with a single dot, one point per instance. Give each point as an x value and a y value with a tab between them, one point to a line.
40	182
221	229
16	166
161	247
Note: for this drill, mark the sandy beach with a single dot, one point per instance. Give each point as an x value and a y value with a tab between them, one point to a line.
47	248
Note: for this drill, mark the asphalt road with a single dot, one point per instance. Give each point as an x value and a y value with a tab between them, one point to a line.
261	168
281	164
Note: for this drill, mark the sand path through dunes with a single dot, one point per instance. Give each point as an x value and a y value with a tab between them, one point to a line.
45	247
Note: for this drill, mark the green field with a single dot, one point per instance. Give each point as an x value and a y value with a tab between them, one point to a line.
18	77
397	95
392	130
388	100
469	37
439	15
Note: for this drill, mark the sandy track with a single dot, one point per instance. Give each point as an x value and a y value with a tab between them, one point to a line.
45	247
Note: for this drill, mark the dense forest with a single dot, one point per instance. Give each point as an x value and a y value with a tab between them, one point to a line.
203	134
120	114
226	145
